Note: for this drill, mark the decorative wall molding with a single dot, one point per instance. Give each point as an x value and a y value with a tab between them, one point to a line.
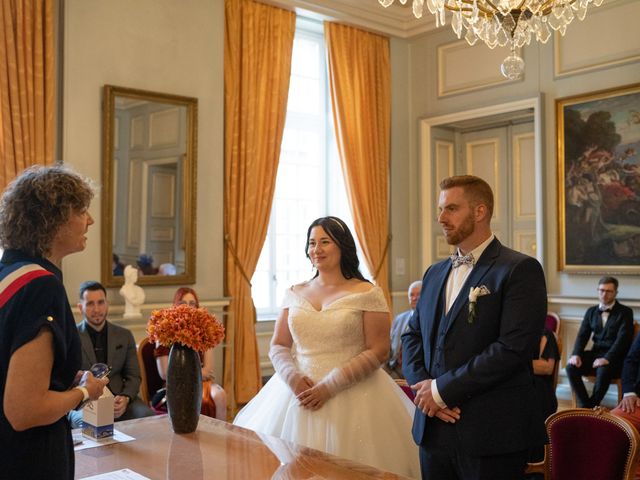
615	24
427	193
478	62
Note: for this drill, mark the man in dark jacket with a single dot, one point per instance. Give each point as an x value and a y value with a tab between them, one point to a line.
610	325
106	342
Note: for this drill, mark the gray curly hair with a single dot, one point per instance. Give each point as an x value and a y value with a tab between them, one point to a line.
37	203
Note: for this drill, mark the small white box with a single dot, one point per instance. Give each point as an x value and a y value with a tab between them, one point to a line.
97	416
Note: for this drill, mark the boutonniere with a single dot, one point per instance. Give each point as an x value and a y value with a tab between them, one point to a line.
474	293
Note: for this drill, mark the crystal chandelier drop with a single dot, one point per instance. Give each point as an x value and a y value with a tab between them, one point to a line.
503	23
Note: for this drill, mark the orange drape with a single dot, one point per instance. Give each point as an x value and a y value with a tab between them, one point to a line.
27	86
359	78
257	67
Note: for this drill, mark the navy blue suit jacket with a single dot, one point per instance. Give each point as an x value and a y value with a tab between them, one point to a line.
631	367
483	367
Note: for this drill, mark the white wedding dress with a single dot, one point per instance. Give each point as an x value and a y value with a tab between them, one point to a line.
369	422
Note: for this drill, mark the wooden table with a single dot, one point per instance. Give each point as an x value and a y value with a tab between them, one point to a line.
216	450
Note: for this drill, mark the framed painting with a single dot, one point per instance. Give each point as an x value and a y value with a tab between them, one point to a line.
598	139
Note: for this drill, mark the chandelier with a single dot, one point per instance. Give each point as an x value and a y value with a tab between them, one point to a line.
503	23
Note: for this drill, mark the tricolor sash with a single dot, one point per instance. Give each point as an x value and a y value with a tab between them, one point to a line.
17	279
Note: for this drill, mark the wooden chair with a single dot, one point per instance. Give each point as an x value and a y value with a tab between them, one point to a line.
402	383
553	323
556	367
151	380
617	381
588	444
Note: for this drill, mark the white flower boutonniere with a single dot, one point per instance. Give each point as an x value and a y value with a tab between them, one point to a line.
474	293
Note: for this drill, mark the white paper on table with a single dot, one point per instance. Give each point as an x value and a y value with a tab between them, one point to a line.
124	474
86	442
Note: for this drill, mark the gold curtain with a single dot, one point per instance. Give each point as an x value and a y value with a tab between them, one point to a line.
359	79
27	86
257	67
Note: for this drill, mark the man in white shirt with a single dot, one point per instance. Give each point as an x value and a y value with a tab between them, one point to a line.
468	349
610	325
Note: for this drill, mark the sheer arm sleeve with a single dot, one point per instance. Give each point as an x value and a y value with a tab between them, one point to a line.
350	373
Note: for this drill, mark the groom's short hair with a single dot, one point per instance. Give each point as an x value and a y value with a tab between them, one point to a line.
476	188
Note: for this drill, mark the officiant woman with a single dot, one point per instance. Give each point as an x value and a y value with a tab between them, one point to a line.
43	218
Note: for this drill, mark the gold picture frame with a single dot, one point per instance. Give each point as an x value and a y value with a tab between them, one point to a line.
598	142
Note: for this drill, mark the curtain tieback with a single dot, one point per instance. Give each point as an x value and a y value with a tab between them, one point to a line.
227	240
384	256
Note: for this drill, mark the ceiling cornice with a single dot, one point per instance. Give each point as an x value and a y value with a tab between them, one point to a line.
396	20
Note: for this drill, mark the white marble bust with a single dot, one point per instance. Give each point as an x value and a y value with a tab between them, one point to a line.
132	293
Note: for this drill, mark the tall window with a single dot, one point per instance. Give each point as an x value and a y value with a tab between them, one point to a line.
309	183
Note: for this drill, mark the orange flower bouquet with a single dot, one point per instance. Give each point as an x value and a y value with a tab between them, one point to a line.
195	328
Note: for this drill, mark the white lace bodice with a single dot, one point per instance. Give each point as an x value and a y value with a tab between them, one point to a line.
324	339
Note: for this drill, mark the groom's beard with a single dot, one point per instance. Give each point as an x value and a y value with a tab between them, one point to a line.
466	228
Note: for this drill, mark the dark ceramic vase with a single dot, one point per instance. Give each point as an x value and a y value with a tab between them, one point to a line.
184	388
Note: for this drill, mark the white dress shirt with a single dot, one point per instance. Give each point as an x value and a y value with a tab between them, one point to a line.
455	281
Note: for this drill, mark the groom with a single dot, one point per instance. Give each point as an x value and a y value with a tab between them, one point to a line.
469	347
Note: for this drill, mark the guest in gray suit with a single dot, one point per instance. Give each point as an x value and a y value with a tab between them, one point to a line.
106	342
393	366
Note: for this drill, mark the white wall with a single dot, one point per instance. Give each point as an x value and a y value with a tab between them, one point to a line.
167	46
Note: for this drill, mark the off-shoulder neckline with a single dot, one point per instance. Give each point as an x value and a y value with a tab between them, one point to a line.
332	302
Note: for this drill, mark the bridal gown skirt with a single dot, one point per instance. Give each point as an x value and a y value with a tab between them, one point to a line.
369	422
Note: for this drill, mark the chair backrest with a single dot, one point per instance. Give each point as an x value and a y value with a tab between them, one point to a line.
402	383
556	367
590	445
552	323
151	380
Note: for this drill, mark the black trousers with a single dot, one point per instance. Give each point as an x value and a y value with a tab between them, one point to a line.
441	458
603	375
440	464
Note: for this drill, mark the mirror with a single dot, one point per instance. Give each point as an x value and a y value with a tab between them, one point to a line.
148	186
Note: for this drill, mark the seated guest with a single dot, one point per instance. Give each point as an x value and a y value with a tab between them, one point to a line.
167	269
543	368
106	342
393	366
214	398
611	325
628	407
117	266
145	265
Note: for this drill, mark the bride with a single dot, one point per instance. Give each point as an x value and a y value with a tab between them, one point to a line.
330	339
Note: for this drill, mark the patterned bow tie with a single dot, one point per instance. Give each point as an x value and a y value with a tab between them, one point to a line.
457	260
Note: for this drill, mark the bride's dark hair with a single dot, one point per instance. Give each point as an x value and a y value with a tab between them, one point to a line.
341	235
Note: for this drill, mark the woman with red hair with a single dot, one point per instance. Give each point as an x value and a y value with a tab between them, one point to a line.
214	398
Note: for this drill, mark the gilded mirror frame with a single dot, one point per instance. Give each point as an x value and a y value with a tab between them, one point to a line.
185	202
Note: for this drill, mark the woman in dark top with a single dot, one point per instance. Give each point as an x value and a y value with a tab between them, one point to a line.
543	368
43	218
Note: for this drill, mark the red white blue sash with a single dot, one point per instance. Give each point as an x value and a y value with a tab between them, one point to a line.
17	279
